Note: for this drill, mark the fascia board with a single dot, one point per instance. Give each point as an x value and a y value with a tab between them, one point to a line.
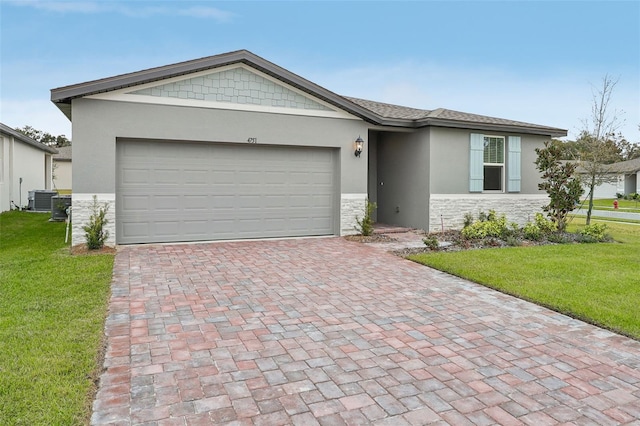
127	80
552	132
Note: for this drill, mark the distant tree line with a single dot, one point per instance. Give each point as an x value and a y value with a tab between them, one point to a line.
44	137
616	147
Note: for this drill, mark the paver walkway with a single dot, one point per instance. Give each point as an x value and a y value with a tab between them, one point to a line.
326	331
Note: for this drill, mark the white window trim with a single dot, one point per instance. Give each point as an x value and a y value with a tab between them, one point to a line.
502	165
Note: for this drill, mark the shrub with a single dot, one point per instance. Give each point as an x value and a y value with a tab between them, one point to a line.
468	219
365	225
431	242
511	231
596	232
532	232
619	195
492	226
513	241
539	228
545	225
94	232
559	238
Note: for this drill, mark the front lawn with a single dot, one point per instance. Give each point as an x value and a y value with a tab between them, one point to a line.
598	283
52	311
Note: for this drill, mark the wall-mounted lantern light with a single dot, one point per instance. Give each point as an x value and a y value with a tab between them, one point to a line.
359	143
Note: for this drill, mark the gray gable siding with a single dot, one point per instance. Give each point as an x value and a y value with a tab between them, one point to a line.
238	86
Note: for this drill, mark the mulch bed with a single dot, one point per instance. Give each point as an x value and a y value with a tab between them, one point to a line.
375	238
455	242
82	250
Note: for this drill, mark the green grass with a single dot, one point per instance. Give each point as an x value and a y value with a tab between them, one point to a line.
630	206
52	311
598	283
604	219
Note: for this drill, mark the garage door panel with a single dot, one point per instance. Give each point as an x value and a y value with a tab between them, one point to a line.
134	203
132	229
194	228
135	176
166	203
195	177
175	191
166	229
167	176
195	202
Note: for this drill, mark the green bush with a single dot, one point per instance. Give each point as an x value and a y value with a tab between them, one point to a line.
491	226
559	238
539	228
545	225
468	219
431	242
596	232
513	241
94	232
365	225
532	232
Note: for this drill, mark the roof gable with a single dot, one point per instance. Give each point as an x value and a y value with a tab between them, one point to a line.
376	113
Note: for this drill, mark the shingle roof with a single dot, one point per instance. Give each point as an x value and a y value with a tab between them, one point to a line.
629	166
64	153
8	130
389	110
400	112
377	113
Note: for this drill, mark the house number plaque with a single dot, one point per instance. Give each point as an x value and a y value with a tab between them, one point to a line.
252	140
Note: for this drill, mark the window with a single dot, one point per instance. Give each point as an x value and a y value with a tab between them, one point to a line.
487	163
493	163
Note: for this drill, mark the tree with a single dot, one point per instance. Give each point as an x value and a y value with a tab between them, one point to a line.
559	182
44	137
628	150
599	147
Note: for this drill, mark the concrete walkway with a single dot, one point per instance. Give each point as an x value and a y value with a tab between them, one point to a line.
326	331
611	214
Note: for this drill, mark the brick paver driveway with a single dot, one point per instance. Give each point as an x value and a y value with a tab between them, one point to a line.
326	331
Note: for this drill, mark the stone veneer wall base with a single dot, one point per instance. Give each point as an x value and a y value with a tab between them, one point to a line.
82	205
351	208
450	210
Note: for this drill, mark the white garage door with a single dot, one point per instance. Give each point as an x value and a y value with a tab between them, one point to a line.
183	191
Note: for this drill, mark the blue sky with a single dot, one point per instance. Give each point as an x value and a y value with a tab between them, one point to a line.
534	61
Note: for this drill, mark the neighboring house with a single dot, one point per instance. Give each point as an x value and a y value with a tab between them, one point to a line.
628	173
233	146
623	178
62	170
25	165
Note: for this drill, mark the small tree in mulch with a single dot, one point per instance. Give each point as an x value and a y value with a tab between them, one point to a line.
365	225
559	182
94	232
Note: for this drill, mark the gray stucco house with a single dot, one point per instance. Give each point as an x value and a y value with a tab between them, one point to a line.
233	146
